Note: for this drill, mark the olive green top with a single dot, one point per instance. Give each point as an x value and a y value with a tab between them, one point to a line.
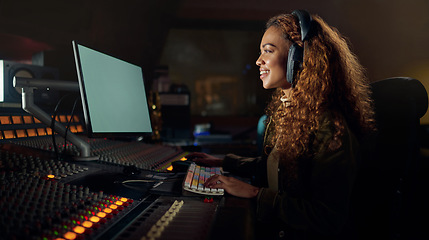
320	206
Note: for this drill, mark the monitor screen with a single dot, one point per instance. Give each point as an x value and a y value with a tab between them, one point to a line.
113	94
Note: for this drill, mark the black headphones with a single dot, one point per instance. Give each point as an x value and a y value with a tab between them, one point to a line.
296	53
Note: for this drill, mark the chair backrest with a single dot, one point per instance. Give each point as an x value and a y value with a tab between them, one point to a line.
385	186
260	133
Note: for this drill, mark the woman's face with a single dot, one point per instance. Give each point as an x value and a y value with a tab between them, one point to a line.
272	61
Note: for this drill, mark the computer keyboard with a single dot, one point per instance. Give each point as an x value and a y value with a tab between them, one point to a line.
197	175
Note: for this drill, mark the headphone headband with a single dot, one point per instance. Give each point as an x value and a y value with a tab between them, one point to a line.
305	21
296	53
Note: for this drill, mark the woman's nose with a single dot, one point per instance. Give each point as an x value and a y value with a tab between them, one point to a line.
259	61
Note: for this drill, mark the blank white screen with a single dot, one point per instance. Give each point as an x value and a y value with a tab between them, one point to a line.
115	93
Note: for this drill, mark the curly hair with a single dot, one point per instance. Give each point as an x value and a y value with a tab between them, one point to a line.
331	80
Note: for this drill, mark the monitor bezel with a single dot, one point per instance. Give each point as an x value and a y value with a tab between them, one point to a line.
83	94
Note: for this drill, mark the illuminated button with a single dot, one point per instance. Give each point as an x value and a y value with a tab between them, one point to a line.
70	235
101	214
124	199
87	224
94	219
119	203
51	176
79	229
107	210
113	206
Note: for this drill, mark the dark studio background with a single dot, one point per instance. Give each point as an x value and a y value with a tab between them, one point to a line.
210	47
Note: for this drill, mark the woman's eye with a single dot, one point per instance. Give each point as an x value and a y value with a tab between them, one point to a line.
265	51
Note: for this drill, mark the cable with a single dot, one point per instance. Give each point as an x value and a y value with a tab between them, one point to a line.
151	180
54	115
174	177
68	123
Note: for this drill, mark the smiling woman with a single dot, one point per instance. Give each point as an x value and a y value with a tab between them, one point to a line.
319	114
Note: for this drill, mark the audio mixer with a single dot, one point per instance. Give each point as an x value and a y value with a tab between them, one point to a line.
130	192
46	194
43	197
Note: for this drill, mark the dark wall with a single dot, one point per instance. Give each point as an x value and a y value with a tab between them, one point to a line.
389	36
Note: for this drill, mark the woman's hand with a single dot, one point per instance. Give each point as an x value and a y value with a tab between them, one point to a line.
204	159
232	186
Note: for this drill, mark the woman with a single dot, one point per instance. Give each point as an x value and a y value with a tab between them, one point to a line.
315	122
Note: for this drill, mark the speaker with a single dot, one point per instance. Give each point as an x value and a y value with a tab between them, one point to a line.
11	97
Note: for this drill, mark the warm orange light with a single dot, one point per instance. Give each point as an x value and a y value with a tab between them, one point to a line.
124	199
5	120
79	229
31	132
41	131
119	203
21	133
183	159
8	134
107	210
113	206
94	219
170	168
51	176
101	214
17	119
70	235
87	224
28	119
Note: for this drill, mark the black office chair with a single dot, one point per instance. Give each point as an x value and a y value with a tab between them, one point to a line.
384	199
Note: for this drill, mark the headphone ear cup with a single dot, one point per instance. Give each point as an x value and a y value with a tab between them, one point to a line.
294	62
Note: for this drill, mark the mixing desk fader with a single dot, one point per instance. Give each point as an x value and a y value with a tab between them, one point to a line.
37	202
43	197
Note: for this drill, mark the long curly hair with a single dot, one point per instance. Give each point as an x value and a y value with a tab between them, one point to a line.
331	80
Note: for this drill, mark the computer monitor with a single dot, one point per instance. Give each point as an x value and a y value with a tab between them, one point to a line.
113	94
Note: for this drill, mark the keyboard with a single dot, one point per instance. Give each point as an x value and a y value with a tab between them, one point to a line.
196	177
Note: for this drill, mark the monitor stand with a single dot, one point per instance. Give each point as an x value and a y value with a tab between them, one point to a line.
28	85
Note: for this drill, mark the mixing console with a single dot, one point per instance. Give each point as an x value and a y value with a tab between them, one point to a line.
37	202
138	154
45	197
127	194
172	218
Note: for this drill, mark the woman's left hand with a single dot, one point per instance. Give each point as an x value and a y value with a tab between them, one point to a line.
232	186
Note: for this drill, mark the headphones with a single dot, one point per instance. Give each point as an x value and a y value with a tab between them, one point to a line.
296	53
